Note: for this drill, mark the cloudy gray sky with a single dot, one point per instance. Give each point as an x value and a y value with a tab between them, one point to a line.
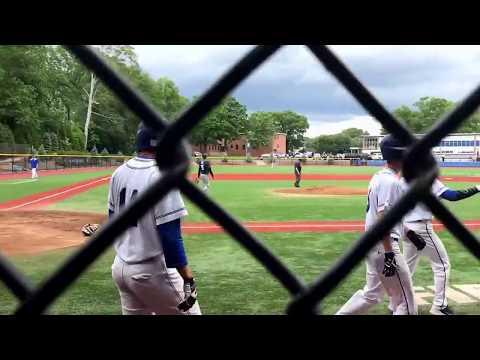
293	80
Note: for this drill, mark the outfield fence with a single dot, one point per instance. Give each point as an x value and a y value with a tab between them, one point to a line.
443	164
420	169
21	162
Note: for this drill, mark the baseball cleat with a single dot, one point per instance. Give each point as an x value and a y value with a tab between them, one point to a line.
441	311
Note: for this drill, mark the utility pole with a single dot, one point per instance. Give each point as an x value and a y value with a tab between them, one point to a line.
91	97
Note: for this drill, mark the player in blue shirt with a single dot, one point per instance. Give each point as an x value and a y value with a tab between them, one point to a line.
34	166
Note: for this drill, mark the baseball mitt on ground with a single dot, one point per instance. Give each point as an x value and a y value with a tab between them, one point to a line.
89	229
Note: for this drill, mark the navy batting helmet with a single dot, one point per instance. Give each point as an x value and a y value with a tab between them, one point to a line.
392	148
146	138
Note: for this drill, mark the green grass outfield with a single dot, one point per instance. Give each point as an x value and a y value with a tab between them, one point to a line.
256	201
312	169
16	188
230	280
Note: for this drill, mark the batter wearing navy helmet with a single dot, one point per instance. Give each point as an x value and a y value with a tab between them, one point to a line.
150	269
387	270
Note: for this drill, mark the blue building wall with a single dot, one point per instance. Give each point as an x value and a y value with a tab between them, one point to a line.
441	164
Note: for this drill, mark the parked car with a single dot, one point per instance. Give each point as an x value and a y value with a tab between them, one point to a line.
268	156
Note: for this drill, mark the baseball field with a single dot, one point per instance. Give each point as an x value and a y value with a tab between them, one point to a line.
309	228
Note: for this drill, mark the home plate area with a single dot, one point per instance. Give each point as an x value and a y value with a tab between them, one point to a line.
460	294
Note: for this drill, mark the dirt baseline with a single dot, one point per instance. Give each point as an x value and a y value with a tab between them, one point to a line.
321	191
31	232
36	231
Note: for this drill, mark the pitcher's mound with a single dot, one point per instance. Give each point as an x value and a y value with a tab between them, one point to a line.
322	191
31	232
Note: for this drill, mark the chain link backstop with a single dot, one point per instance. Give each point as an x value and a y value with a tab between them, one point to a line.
419	169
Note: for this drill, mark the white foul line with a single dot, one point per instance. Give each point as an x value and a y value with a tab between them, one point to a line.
19	182
280	226
56	194
288	226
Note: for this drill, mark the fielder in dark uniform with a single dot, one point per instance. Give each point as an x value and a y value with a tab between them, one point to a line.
204	170
298	172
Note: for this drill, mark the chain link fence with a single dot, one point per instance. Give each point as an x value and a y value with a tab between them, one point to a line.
420	170
14	163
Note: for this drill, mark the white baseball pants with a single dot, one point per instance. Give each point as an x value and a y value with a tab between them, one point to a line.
437	254
34	173
205	182
149	288
398	287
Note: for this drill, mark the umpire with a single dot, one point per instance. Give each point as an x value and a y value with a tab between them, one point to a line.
298	172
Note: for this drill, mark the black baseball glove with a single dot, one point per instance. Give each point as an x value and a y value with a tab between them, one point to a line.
390	265
190	291
416	240
89	229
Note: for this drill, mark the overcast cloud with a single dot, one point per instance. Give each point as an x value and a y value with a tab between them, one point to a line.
293	80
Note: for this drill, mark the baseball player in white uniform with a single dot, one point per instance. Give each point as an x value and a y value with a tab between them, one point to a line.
418	222
387	270
150	269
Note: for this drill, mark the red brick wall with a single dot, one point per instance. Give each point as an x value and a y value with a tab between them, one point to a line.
237	147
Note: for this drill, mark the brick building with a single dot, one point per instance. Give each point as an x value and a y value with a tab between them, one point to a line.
238	147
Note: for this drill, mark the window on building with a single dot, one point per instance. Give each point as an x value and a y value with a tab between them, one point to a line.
243	147
231	146
236	146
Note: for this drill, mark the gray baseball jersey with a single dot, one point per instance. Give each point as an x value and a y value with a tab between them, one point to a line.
141	241
383	191
421	212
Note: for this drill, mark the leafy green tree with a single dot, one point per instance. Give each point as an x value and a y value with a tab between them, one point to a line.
292	124
6	135
166	96
226	122
261	128
425	113
41	150
355	136
338	143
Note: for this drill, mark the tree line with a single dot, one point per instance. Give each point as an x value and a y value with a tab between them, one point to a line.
427	111
419	118
50	101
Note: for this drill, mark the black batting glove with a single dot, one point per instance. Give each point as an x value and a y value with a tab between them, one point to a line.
190	295
416	240
390	265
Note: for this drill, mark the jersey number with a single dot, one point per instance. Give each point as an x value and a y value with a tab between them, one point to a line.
202	166
123	195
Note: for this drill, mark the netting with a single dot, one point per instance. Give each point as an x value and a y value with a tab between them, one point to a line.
419	169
